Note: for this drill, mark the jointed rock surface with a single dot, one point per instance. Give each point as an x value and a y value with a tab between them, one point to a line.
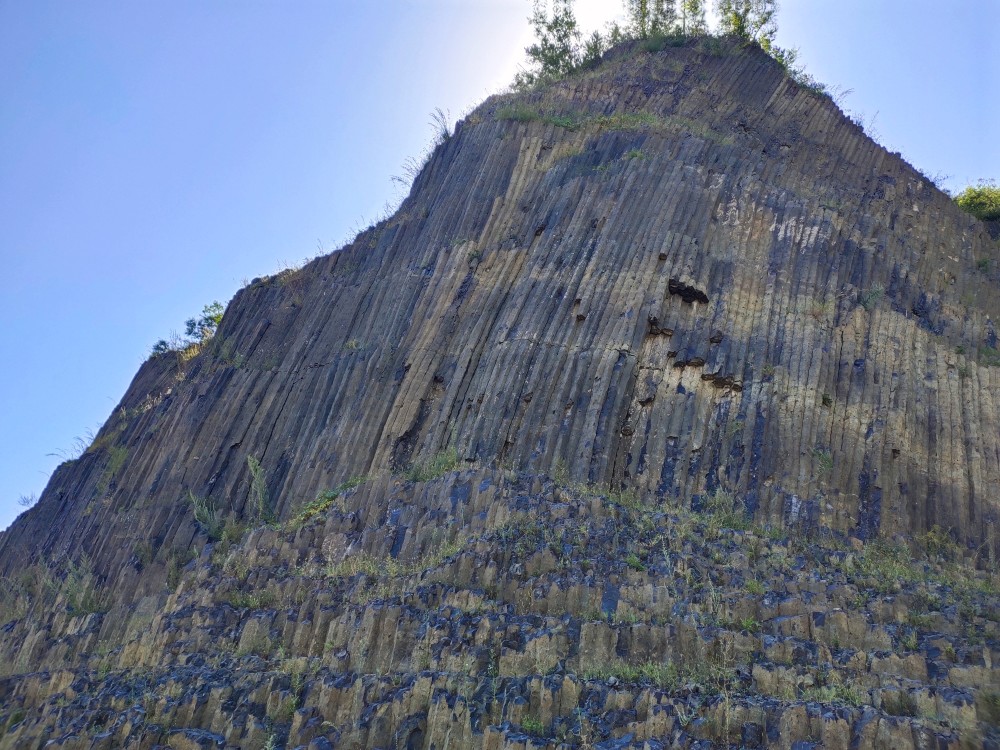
664	412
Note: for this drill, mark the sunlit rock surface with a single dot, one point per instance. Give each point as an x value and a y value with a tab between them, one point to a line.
626	428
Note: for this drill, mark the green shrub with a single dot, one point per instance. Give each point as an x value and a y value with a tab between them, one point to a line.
749	624
251	600
981	200
666	675
324	501
989	356
713	46
568	122
518	113
285	711
260	508
388	567
634	562
15	718
143	552
232	532
204	327
626	498
525	113
436	466
197	331
824	461
870	297
938	542
206	515
886	563
80	589
116	460
556	50
320	505
721	512
531	725
658	42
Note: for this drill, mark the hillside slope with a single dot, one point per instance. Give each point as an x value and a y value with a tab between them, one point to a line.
679	304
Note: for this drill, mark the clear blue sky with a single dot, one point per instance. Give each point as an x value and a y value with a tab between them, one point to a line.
156	155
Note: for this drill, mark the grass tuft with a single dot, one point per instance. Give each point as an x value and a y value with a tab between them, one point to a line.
436	466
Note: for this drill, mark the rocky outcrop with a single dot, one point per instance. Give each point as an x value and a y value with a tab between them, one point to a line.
680	278
538	615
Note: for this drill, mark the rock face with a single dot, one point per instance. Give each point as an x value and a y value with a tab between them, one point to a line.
687	329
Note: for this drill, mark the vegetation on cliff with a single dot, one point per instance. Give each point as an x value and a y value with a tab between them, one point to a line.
197	330
558	50
547	604
981	200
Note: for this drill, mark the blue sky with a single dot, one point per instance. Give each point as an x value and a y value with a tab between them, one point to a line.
154	156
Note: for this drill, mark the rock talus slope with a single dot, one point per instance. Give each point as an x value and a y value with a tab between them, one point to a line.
677	316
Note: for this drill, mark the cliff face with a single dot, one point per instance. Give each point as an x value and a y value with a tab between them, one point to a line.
681	276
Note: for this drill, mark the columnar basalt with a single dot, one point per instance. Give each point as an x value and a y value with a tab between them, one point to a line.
680	276
539	615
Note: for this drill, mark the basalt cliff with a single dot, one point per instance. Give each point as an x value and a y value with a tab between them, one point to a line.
664	412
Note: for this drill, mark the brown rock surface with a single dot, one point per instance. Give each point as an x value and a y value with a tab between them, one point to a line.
681	279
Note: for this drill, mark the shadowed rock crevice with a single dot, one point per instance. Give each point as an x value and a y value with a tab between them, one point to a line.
686	292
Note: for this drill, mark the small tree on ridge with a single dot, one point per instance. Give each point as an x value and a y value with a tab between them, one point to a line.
556	50
648	18
692	17
753	20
